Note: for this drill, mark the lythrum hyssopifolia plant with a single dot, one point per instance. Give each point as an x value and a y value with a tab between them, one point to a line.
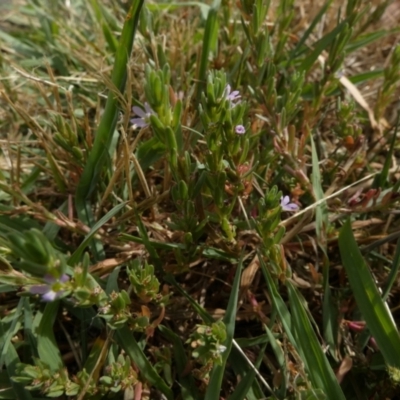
198	200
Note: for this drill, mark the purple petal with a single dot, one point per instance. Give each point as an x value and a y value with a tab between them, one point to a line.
285	200
235	95
240	129
232	96
39	289
287	206
148	109
51	295
138	111
64	278
139	122
50	279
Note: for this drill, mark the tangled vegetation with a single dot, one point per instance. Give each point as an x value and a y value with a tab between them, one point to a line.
199	200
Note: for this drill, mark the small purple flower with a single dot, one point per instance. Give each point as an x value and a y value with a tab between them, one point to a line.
240	129
144	116
287	205
52	289
232	96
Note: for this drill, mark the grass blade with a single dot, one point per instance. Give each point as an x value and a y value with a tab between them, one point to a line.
214	386
187	382
309	30
391	279
322	223
47	346
277	300
210	31
375	312
128	342
369	38
381	179
244	389
5	341
75	258
11	360
319	370
99	152
320	46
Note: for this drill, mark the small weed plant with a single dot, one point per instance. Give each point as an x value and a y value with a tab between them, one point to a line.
199	200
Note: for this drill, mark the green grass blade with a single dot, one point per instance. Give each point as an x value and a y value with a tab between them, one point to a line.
75	258
188	387
382	178
242	368
391	279
317	365
47	346
5	341
103	18
51	229
308	91
277	300
29	333
217	374
375	312
320	46
322	222
309	30
196	306
369	38
300	333
280	358
11	360
210	35
128	342
99	152
244	389
112	282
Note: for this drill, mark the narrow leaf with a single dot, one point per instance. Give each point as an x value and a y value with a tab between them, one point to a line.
375	312
214	386
47	346
128	342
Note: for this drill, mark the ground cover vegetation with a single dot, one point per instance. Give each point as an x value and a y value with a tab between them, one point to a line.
199	200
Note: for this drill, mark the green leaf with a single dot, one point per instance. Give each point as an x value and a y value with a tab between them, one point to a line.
381	179
102	19
76	256
279	304
5	340
11	360
317	365
322	222
208	42
149	152
128	342
320	46
369	38
112	281
375	312
188	387
100	150
218	372
307	33
47	346
242	368
391	279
